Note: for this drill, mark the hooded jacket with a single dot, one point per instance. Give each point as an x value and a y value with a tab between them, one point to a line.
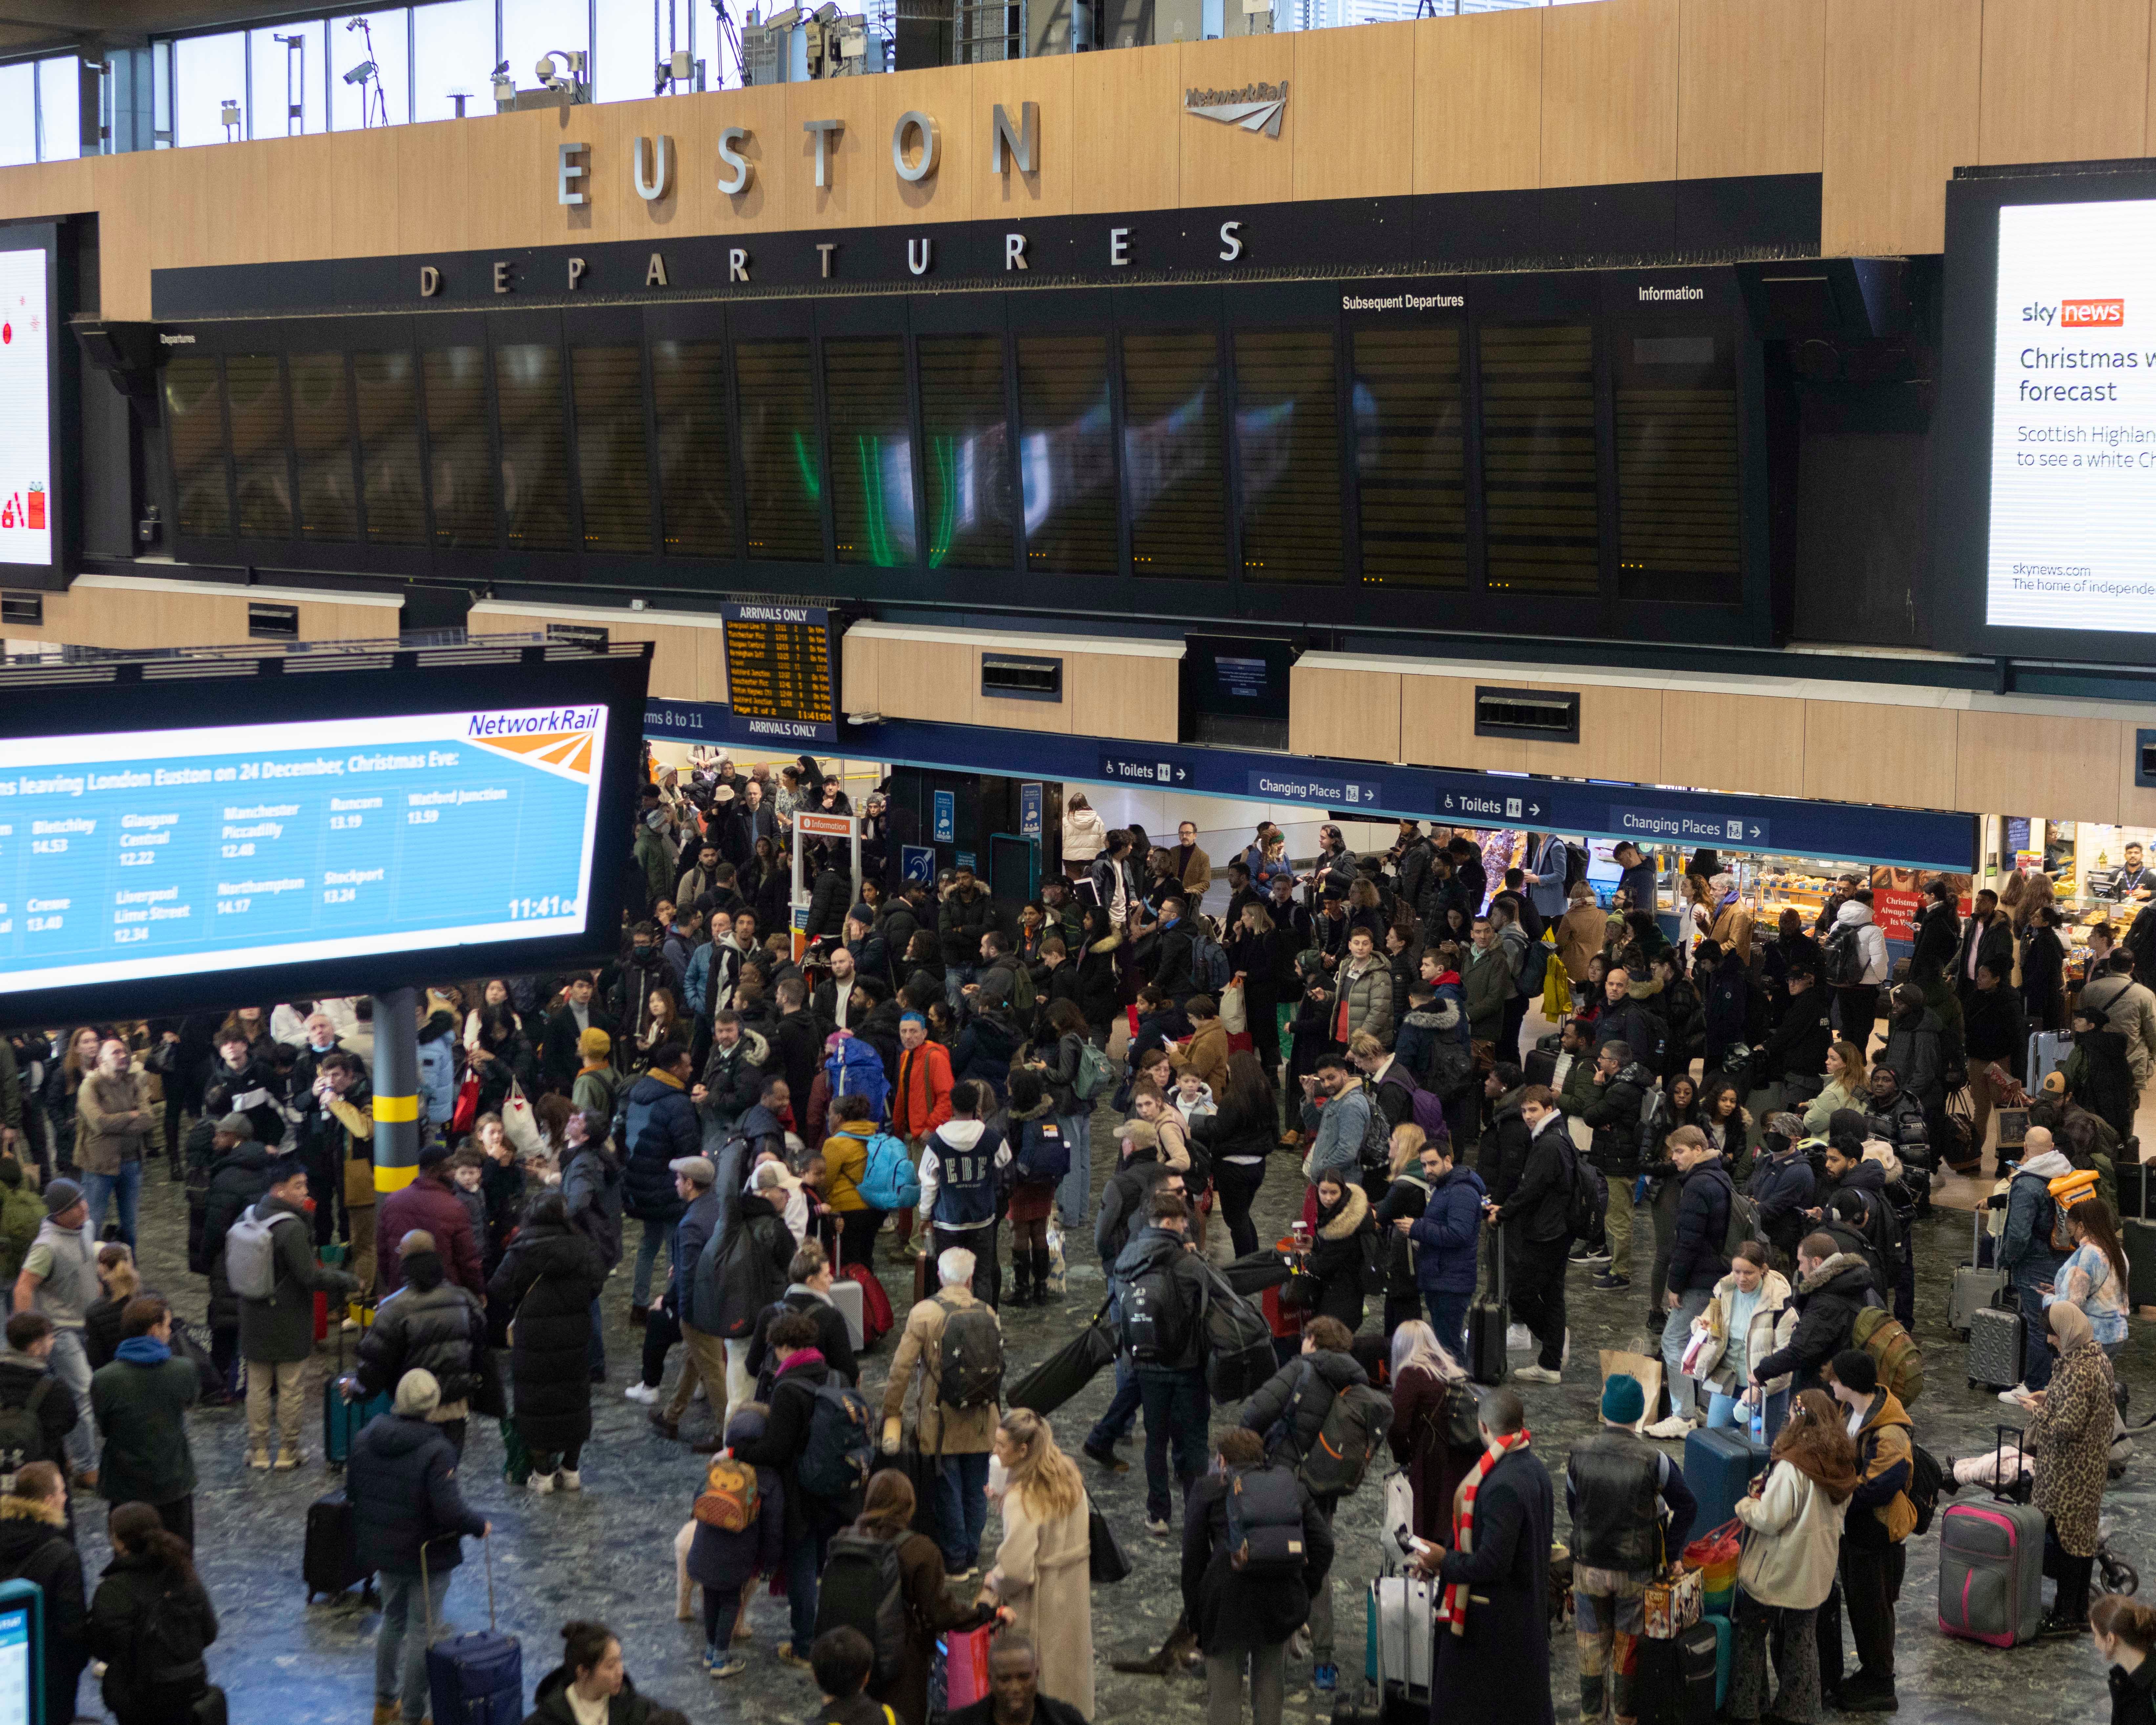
1827	1302
1340	1254
1870	943
430	1204
428	1324
1781	1185
1916	1051
1635	1023
1867	1181
1789	1563
401	1480
544	1287
733	1077
2024	1247
964	1174
832	1339
35	1545
1773	1323
1501	1156
1447	1237
1879	1513
1289	1408
1536	1208
1614	1117
139	1403
1696	1260
659	1127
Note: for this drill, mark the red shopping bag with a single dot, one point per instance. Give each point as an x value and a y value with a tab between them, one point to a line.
465	1115
966	1666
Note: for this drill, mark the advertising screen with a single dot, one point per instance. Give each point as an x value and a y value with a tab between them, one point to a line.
348	840
26	442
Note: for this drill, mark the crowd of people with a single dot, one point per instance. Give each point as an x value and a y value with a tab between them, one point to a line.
1737	1131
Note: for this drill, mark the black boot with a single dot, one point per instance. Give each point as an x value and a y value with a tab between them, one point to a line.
1021	1290
1041	1294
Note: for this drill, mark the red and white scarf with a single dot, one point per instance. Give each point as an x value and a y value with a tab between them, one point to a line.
1452	1604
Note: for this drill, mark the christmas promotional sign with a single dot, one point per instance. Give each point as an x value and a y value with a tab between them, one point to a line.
26	525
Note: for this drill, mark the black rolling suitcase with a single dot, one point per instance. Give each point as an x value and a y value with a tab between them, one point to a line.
1675	1685
1486	1320
2139	1237
331	1563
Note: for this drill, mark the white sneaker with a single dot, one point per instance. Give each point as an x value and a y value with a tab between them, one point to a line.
644	1392
1518	1337
540	1484
1538	1374
349	1326
2017	1397
1676	1425
571	1480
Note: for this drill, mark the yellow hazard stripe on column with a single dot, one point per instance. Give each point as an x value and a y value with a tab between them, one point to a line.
393	1179
396	1110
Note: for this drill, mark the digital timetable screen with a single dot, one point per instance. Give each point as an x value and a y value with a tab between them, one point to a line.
779	679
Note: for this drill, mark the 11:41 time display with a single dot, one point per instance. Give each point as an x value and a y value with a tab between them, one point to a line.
553	905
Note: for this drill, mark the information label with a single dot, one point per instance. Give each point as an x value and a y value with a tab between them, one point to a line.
133	855
945	830
779	676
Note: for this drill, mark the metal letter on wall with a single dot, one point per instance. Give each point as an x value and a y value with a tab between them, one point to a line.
1022	144
917	255
565	171
913	174
1231	241
576	273
827	132
661	149
737	263
744	169
1014	252
655	272
430	281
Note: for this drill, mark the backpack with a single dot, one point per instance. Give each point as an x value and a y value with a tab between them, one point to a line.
1844	956
1096	1073
863	1589
1239	1342
168	1653
1048	1158
1424	1108
1452	1073
854	1069
1744	1224
1586	1199
1153	1321
1375	1155
1208	963
1354	1430
728	1501
1265	1522
1534	968
888	1180
1893	1350
22	1434
250	1254
746	1284
970	1359
841	1450
1653	1121
1925	1477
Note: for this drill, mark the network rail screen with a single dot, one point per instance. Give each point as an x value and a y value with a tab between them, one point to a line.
132	855
2073	446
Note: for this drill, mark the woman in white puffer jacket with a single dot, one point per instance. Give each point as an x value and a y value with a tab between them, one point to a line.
1085	833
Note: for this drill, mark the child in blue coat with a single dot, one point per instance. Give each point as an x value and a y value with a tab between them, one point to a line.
723	1565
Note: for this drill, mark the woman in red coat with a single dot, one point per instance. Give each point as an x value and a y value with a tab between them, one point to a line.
1433	1433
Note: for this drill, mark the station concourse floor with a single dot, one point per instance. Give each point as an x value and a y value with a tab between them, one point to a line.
608	1553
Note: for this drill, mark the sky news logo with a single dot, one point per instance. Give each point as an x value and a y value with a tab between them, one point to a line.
2092	314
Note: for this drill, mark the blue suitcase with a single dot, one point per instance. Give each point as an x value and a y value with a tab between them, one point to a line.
1718	1469
1725	1655
476	1679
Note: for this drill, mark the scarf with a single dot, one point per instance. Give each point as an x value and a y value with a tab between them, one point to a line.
1452	1605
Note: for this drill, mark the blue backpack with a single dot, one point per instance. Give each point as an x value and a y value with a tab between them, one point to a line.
1044	1156
855	1069
1208	963
889	1181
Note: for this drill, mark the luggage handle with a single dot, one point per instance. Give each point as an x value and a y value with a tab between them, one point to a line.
426	1591
1999	1462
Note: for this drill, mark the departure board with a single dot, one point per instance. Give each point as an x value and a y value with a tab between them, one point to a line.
779	671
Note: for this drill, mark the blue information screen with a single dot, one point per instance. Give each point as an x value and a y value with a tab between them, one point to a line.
16	1674
127	855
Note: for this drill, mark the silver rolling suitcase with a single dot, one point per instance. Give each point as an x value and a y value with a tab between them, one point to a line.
1973	1289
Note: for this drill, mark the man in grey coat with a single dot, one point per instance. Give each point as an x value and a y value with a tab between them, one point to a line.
277	1334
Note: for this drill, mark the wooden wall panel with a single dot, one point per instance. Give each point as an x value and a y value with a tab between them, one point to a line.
768	203
1750	96
1898	755
1609	92
2047	764
1620	735
946	94
860	662
1047	190
929	680
1902	85
1733	742
1122	695
1351	715
1225	164
2063	80
1354	111
1132	134
860	161
1437	728
356	182
126	248
2137	805
1481	128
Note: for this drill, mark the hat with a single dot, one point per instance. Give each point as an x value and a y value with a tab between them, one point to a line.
239	1125
62	1195
419	1393
723	794
417	1240
2054	1083
1624	1402
1855	1369
698	1168
595	1045
863	915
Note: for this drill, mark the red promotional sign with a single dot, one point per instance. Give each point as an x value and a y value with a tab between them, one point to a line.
1895	912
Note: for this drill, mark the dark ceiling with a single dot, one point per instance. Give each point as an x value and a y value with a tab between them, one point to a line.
55	26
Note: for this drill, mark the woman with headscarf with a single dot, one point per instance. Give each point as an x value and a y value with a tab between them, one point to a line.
1793	1535
1731	928
2070	1430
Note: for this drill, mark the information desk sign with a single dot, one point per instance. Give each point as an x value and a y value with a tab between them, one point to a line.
780	666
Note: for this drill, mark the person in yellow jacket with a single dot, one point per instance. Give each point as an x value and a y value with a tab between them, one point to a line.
341	1084
1874	1539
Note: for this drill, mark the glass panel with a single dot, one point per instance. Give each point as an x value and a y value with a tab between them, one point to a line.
1288	454
270	63
208	72
386	387
695	459
452	52
1538	459
255	384
968	437
1067	454
60	110
195	423
612	473
532	28
1410	456
1677	509
322	437
534	448
871	450
1171	453
390	34
625	58
783	479
19	115
459	449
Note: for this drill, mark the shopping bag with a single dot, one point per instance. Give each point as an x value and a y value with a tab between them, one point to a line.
1057	1283
1674	1600
1234	1017
519	1124
1557	990
1701	1341
1716	1556
465	1113
1649	1372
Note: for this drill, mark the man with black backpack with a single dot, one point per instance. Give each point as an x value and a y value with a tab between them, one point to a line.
1159	1287
955	1342
1536	1224
1255	1549
37	1410
1319	1415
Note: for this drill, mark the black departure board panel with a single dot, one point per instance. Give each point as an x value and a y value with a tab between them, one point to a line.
321	443
1287	443
1680	534
781	670
465	507
194	420
385	389
262	474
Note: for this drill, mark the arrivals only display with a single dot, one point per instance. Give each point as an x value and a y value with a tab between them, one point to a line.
2073	447
131	855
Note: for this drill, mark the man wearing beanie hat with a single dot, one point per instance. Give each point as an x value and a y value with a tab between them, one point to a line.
1781	1183
598	1085
402	1482
1630	1507
59	1278
431	1328
871	954
1881	1517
